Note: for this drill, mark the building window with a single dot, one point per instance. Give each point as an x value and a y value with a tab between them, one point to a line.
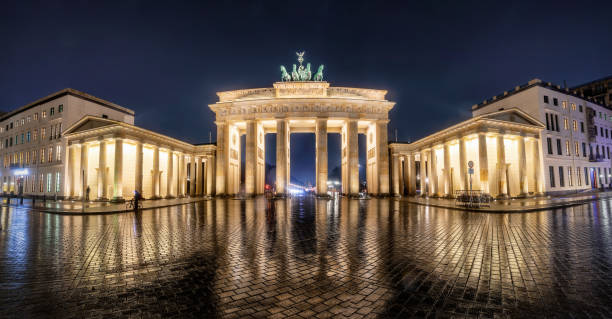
567	148
575	125
42	155
551	174
547	122
58	152
50	154
29	118
606	133
60	108
555	101
584	154
564	103
43	133
35	134
44	114
52	111
565	123
573	106
557	122
578	176
559	150
40	183
546	99
22	138
28	137
580	110
577	148
595	127
57	182
104	116
586	176
582	127
601	131
35	116
49	179
549	143
561	179
569	177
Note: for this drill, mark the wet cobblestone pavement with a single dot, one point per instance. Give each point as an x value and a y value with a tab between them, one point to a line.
307	258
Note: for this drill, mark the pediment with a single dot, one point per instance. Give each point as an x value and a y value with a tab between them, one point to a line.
88	124
512	116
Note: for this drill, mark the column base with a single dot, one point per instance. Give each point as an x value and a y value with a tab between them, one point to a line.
154	197
169	197
323	196
502	196
117	199
101	199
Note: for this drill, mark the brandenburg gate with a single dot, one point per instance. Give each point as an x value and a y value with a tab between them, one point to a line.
301	103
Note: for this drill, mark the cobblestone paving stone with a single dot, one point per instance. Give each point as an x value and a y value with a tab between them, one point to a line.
307	258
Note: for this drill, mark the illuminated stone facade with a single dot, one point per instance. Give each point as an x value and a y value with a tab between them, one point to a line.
114	158
290	107
32	145
503	146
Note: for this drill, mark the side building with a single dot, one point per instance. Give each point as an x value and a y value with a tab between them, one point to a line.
599	90
32	146
72	145
576	142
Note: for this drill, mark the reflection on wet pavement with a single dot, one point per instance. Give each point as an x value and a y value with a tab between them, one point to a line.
307	257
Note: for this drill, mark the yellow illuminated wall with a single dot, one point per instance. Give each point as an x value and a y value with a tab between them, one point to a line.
129	169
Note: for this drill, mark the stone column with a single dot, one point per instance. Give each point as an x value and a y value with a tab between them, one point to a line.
433	172
502	183
210	163
118	178
396	174
139	165
483	162
69	170
382	160
281	156
199	184
400	170
411	175
321	156
423	173
537	166
155	172
353	157
193	176
522	167
463	175
83	172
250	158
448	182
180	187
102	171
222	157
170	173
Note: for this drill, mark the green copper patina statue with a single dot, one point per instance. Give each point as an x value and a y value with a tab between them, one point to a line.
319	75
284	75
301	73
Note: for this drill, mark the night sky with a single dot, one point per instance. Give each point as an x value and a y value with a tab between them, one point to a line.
166	60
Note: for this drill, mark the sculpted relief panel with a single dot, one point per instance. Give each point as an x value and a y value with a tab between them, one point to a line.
296	108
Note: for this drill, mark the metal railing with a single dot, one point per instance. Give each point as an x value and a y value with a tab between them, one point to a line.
472	198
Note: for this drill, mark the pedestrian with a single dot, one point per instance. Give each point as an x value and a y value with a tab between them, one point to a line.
87	193
136	199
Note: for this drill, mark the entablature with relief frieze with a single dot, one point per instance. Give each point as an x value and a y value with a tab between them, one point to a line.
369	109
